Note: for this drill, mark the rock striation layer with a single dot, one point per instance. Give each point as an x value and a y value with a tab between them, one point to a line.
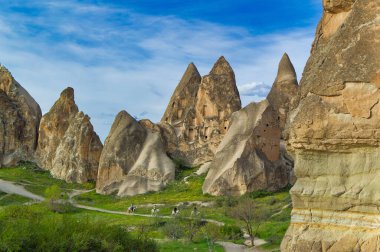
133	160
68	146
334	134
248	158
200	110
20	116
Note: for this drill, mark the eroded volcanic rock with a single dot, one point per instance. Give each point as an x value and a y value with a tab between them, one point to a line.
20	116
334	134
133	160
248	158
68	146
200	110
284	91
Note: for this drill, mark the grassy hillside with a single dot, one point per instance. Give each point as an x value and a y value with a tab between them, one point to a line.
182	193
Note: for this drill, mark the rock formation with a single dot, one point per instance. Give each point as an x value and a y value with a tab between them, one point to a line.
283	96
68	146
248	158
133	160
200	110
19	119
284	91
334	134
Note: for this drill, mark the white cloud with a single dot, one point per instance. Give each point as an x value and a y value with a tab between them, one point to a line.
114	66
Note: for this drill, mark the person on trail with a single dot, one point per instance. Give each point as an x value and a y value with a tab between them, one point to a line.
155	210
132	208
175	211
195	211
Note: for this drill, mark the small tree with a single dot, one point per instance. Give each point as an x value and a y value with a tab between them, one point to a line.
251	215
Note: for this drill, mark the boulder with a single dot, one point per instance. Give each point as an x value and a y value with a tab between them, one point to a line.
20	116
68	146
334	134
248	158
133	160
200	110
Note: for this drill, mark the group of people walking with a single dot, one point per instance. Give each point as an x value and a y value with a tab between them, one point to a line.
155	210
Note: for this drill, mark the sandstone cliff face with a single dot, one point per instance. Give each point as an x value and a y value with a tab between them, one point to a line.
200	111
68	146
133	160
334	134
20	116
248	158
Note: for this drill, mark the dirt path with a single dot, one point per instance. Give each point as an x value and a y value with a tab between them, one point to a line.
11	188
232	247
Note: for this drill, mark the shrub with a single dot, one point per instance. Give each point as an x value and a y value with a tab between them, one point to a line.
173	230
231	232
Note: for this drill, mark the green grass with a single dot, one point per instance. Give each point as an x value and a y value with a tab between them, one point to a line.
36	180
12	199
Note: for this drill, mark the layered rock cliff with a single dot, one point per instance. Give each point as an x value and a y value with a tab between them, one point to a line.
68	146
133	160
20	116
334	134
248	158
200	110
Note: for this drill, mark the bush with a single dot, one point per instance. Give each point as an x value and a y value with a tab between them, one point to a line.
260	194
231	232
212	232
173	229
33	228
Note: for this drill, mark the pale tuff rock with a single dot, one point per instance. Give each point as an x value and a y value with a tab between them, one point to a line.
200	110
19	119
133	160
248	158
284	92
68	146
334	135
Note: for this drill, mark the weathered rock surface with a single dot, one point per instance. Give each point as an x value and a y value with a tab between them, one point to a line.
284	92
133	160
248	158
200	110
334	135
20	116
68	146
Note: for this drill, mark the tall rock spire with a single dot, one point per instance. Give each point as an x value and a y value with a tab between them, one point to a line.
200	110
68	146
284	92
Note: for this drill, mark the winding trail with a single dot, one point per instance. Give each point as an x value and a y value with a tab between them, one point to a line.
11	188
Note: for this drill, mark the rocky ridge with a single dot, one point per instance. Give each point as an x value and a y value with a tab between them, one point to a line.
248	158
67	145
200	110
19	120
133	160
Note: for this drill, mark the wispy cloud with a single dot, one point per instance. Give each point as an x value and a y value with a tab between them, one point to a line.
117	58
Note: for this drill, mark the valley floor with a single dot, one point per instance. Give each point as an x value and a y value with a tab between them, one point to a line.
184	194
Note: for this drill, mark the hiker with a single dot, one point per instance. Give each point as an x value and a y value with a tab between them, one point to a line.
132	208
155	210
175	211
195	211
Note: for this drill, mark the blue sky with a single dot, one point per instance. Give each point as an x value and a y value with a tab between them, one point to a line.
131	54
